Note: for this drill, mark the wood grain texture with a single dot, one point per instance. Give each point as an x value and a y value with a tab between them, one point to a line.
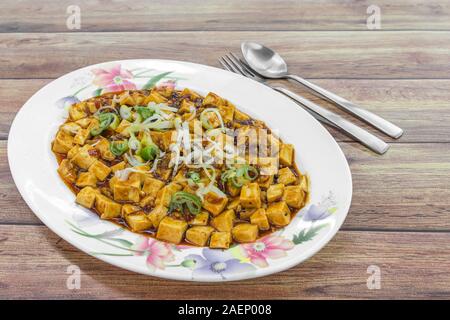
407	188
34	265
343	55
417	106
231	15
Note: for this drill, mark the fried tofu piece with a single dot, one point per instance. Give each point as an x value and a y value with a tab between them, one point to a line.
234	204
275	192
245	232
84	123
86	179
246	214
72	152
171	230
71	128
122	128
138	221
232	189
213	99
286	176
294	196
279	214
157	214
227	113
185	106
268	166
240	116
86	197
152	186
67	171
103	147
199	235
286	154
83	158
200	219
126	192
259	218
107	207
119	166
265	181
78	111
214	203
250	196
129	208
164	195
155	97
220	240
100	170
63	142
81	137
224	221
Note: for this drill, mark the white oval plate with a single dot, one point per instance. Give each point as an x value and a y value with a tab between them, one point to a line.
33	167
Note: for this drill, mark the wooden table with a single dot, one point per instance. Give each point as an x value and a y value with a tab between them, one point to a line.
399	218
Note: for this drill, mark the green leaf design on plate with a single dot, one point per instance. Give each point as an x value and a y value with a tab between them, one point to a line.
97	92
307	234
154	80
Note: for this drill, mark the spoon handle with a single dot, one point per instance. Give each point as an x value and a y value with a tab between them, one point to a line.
376	121
369	140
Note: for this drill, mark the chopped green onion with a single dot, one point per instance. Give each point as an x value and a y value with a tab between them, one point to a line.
239	176
205	121
149	152
118	147
125	112
106	120
194	176
184	200
133	142
144	112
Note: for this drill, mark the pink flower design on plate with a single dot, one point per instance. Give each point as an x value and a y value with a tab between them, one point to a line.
158	253
113	79
273	247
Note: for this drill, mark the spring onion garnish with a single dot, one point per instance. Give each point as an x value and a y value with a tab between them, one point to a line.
149	152
125	112
181	201
106	120
118	148
239	176
194	176
144	112
133	142
205	121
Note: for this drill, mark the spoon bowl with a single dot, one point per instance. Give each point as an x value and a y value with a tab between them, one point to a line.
264	60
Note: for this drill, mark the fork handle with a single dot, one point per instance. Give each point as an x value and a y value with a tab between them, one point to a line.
366	138
376	121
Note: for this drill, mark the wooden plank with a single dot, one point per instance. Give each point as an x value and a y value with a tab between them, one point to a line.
158	15
34	265
361	55
407	188
418	106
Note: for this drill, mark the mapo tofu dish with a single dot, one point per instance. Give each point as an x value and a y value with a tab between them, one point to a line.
178	166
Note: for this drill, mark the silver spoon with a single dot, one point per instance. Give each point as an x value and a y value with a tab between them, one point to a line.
271	65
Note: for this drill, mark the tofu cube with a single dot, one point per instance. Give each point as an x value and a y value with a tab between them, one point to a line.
199	235
286	154
250	196
227	113
232	189
286	176
259	218
71	128
152	186
279	214
78	111
86	197
164	195
122	128
119	166
171	230
275	192
125	192
103	147
107	208
157	214
129	208
83	158
200	219
72	152
213	99
86	179
265	181
84	123
155	97
214	203
268	166
224	221
63	142
67	171
138	221
81	137
294	196
245	232
246	214
220	240
100	170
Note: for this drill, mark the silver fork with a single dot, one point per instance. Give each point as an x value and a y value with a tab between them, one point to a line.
232	63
